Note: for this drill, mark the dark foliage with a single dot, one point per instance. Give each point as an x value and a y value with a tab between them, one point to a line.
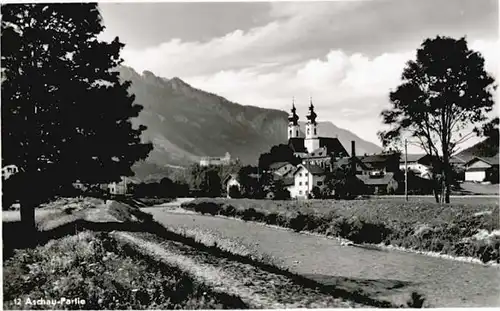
278	153
443	92
234	192
65	112
416	300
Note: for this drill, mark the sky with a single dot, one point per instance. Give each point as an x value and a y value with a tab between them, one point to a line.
345	55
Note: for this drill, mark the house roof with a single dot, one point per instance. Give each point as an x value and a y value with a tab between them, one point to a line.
489	160
230	176
375	158
313	169
411	157
380	181
345	161
277	165
457	160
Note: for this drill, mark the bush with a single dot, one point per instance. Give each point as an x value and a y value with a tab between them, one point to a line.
416	301
234	192
207	208
427	227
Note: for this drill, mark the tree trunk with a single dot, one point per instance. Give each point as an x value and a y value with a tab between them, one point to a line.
435	185
27	210
446	176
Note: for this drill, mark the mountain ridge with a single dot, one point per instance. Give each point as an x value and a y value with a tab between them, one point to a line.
186	123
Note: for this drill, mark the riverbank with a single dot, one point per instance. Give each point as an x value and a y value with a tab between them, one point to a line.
142	265
449	230
378	273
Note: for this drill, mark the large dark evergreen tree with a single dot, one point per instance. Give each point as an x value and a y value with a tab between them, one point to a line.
65	112
444	92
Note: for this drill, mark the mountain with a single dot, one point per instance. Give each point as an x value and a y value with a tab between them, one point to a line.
185	123
486	148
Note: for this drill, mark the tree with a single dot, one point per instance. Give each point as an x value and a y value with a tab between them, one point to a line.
343	183
65	112
445	91
489	147
278	153
234	192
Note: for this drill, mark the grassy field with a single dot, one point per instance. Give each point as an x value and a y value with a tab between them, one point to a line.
113	256
106	275
458	229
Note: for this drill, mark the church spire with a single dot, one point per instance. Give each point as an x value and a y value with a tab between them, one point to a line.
293	118
312	115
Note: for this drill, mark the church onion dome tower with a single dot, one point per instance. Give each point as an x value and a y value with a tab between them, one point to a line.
312	141
293	122
311	117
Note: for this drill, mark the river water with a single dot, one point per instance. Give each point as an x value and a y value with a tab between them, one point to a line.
384	274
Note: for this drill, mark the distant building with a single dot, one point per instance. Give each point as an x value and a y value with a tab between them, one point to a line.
282	170
217	161
482	169
306	177
381	163
9	170
230	181
416	163
120	188
385	183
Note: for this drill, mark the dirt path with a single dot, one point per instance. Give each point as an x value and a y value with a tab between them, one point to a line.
258	288
387	275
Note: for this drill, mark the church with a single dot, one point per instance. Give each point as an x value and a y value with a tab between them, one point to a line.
313	149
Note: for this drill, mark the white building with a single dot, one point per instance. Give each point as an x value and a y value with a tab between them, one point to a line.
230	181
478	169
119	188
413	163
306	177
9	170
218	161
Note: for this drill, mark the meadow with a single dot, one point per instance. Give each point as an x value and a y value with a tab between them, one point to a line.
468	228
105	274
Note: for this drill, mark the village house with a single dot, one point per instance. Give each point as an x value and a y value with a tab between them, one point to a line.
230	181
481	169
306	177
378	164
9	170
120	188
417	163
380	184
282	169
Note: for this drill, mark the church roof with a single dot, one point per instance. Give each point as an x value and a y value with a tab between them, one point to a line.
297	144
332	145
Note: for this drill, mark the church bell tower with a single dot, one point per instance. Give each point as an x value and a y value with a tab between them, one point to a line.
293	122
312	139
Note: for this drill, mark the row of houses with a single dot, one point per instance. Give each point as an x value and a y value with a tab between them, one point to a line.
379	172
121	187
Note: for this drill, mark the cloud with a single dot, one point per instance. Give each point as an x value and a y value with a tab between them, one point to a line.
349	90
342	54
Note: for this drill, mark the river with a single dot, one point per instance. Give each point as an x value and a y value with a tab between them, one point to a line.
384	274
